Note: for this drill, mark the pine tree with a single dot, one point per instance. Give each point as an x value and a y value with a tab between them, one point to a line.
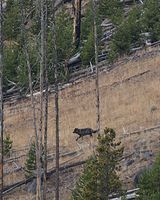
7	145
150	183
112	10
30	165
127	34
86	187
151	18
87	34
99	178
87	54
12	21
109	154
64	34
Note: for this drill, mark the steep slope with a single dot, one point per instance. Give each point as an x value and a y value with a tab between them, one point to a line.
113	83
129	97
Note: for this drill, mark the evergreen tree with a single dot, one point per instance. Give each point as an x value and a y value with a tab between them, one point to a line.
127	34
10	63
87	34
65	50
87	53
30	165
150	183
87	22
12	20
64	35
99	178
109	154
112	10
86	187
7	145
151	18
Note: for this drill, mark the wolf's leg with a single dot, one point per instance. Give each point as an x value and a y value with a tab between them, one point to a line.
78	137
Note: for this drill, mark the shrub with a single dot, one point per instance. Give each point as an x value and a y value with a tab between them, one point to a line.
150	183
7	145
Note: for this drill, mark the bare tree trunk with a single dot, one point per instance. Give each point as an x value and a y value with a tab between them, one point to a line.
42	62
43	15
1	103
46	109
37	5
57	138
25	47
45	136
56	98
97	74
96	63
77	4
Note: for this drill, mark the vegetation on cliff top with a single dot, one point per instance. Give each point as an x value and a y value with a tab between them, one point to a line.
142	18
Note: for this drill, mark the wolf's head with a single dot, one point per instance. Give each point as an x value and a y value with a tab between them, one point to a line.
76	130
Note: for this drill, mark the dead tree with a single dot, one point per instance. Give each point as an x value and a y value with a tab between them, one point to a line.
54	64
96	63
77	4
1	103
43	63
26	53
45	101
45	135
37	7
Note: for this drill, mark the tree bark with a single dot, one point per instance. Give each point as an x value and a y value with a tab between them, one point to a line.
1	102
54	63
77	4
46	107
97	68
45	135
43	59
25	48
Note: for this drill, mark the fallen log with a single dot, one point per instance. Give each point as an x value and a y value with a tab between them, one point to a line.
74	60
9	188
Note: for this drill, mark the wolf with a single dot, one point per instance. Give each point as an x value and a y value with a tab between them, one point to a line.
83	132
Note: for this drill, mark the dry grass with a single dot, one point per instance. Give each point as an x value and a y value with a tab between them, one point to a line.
125	103
129	97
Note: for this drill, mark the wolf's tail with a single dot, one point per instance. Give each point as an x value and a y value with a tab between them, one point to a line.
95	131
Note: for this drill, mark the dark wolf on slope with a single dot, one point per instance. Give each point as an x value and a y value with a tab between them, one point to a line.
83	132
